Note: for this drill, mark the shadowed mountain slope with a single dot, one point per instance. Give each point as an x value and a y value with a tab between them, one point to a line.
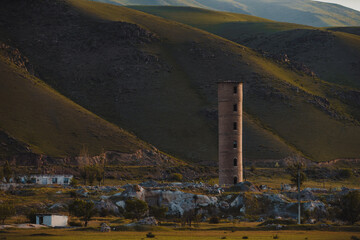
158	78
306	12
42	121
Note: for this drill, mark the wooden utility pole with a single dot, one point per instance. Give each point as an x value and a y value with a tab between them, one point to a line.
299	202
104	166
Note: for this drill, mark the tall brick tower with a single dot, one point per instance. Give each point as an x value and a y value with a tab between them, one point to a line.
230	99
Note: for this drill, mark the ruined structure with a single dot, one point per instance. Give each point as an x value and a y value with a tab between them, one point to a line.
230	98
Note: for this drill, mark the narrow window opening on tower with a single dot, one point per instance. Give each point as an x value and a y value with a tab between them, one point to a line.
235	126
235	144
235	180
235	162
235	90
235	108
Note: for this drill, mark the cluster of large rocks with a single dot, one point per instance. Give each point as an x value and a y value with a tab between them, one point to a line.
179	202
242	201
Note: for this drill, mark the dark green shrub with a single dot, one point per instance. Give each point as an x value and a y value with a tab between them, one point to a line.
350	207
345	173
214	220
7	210
74	182
75	224
135	208
150	235
73	194
176	177
31	215
104	212
7	171
158	212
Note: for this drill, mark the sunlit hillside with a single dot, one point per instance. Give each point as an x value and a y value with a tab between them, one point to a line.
157	78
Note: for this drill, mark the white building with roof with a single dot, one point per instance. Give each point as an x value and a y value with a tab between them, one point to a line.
52	220
49	179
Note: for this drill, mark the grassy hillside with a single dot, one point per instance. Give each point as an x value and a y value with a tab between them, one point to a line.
351	30
302	44
225	24
306	12
48	123
158	78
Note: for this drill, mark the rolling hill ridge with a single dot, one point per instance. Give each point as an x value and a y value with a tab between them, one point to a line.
308	12
45	122
332	55
157	78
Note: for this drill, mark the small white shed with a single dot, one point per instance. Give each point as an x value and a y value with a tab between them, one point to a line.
52	220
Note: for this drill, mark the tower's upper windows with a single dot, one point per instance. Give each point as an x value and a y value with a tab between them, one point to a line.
235	108
235	144
235	162
235	126
235	90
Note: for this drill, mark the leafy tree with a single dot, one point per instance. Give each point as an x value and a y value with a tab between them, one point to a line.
84	174
91	174
7	171
188	217
350	207
345	173
99	174
135	208
1	174
74	182
295	167
82	209
6	210
158	212
31	215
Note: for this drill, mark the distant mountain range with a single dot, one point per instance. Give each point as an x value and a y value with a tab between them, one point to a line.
308	12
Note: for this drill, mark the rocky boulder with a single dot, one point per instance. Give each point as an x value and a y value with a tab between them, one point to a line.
178	202
148	221
245	187
105	228
315	206
107	206
149	184
279	205
83	192
238	201
131	191
121	204
305	195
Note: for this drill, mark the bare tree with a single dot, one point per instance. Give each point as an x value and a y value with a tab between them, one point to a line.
295	167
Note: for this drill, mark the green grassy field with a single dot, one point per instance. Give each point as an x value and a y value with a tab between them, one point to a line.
54	234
